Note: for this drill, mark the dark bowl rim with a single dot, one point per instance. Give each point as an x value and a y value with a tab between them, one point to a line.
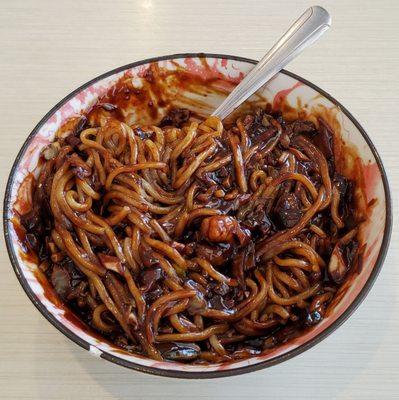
211	374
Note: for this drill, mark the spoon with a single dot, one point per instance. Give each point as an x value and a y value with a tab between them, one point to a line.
302	33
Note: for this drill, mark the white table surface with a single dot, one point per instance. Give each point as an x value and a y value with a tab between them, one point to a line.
48	48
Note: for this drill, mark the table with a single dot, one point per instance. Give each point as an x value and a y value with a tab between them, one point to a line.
48	48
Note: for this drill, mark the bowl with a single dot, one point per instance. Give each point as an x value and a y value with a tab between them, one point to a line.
213	77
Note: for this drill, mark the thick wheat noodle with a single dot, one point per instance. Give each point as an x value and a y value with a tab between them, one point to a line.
135	291
124	198
202	139
255	176
193	336
238	165
199	148
85	243
152	149
99	322
76	255
177	324
74	204
132	168
118	216
212	123
282	289
199	278
177	295
182	324
61	205
183	175
254	328
134	194
292	262
57	239
217	346
192	215
166	309
91	143
317	155
152	191
168	251
169	271
133	199
132	146
87	189
308	251
291	175
136	236
135	183
334	208
293	299
109	233
102	292
159	136
298	247
277	309
317	230
286	279
199	321
301	276
215	165
236	315
244	141
318	300
185	142
211	271
159	314
119	295
127	251
160	231
179	307
268	245
137	219
190	196
253	292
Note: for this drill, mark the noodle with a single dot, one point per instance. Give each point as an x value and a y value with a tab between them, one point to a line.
182	242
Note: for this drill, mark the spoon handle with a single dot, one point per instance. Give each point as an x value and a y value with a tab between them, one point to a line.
303	32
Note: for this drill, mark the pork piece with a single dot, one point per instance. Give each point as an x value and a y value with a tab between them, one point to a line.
256	219
259	127
300	127
149	277
223	229
65	277
244	261
341	184
111	263
343	256
61	281
324	139
287	212
73	141
177	117
79	167
215	254
175	351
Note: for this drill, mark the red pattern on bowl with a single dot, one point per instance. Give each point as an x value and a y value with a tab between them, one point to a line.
285	87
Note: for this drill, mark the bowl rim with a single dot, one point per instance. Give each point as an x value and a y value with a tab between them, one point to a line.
215	373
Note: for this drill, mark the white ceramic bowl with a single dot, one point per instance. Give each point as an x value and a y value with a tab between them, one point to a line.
216	76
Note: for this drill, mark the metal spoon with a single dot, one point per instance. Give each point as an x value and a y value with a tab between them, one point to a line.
303	32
